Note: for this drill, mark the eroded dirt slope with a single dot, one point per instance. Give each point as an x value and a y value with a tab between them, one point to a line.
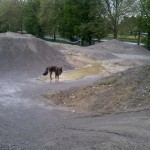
128	89
28	122
27	54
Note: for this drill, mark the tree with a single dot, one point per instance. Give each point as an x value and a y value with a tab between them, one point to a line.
30	20
83	19
45	15
69	18
145	19
10	15
21	15
116	11
48	16
98	19
128	26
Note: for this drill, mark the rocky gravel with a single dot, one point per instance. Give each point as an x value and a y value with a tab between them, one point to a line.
126	85
29	120
119	92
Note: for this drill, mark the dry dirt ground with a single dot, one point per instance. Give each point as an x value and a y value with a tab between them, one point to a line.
124	73
108	77
25	55
119	92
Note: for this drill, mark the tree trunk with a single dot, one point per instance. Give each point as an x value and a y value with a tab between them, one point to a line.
139	37
54	37
115	31
148	40
90	40
82	41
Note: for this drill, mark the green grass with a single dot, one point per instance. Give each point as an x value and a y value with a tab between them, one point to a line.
125	38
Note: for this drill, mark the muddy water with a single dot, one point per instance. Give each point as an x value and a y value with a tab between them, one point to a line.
94	68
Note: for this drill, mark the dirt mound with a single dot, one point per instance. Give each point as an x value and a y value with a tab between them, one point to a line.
118	47
128	89
27	54
92	52
111	50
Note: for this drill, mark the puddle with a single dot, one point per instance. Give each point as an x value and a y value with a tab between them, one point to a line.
93	69
89	70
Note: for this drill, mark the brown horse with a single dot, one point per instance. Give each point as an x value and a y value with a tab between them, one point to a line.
51	69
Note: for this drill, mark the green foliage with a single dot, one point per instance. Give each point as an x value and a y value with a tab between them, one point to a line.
75	19
30	19
70	19
116	10
128	26
83	19
10	15
144	20
45	15
49	15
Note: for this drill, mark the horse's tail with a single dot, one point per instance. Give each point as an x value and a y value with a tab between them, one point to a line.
46	72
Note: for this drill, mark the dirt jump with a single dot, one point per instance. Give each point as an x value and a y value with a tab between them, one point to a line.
101	100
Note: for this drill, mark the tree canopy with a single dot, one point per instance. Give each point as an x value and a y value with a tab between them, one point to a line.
76	19
144	19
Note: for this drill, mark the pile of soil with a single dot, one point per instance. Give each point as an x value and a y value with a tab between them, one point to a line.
118	47
109	50
27	54
121	91
114	55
